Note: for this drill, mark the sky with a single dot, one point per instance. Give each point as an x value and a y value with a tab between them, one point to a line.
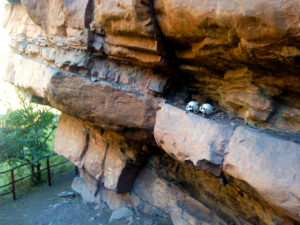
7	91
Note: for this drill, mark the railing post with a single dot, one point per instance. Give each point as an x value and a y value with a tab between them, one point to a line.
32	173
76	170
49	174
39	172
12	175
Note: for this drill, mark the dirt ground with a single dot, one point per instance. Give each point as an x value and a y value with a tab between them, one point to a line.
42	206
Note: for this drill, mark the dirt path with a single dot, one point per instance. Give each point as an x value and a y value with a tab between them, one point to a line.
42	206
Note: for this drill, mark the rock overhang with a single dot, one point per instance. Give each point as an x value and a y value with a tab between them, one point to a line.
68	63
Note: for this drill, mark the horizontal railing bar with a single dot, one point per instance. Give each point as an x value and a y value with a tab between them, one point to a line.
24	164
5	185
7	171
59	163
5	193
22	178
38	172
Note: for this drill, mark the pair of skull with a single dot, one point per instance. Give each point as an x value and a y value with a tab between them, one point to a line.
205	108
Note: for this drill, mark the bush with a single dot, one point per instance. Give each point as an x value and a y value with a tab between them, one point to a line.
26	134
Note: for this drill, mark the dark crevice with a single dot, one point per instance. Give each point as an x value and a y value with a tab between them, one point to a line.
166	50
131	171
86	147
127	177
89	14
99	181
88	19
219	194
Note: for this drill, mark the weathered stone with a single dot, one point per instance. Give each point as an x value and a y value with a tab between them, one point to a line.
171	199
242	55
87	192
120	214
157	84
217	49
66	194
60	204
189	137
230	198
102	102
117	52
19	25
29	75
114	107
288	118
87	186
249	103
115	201
130	30
268	164
71	139
210	27
69	58
126	17
63	21
99	153
212	38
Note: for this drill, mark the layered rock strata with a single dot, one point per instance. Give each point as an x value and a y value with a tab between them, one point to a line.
116	69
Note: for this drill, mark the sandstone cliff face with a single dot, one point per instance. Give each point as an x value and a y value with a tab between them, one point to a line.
122	71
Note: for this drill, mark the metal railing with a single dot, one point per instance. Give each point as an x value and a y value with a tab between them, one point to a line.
39	171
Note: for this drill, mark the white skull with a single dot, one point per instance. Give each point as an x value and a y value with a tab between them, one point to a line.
206	109
192	106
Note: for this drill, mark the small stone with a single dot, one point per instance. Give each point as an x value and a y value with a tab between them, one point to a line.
97	207
130	220
94	79
121	213
85	202
157	84
66	194
102	205
59	204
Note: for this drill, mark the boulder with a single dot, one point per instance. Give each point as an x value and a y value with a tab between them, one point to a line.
87	186
270	165
29	75
120	214
130	29
104	156
189	137
66	194
170	198
63	21
20	26
227	30
102	102
71	139
117	107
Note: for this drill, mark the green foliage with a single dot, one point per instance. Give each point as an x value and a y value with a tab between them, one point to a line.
26	133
